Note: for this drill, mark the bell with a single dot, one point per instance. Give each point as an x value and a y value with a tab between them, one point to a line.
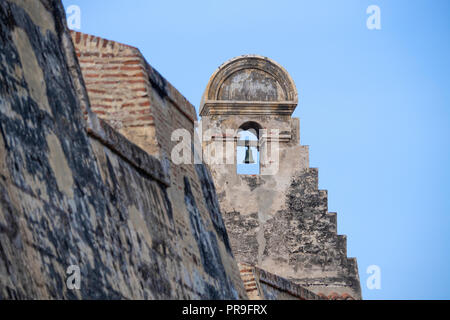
248	156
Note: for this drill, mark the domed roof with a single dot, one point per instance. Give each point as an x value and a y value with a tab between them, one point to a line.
249	84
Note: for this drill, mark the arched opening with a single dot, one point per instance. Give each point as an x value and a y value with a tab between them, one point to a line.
247	149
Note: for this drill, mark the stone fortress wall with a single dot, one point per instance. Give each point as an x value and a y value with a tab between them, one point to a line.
76	192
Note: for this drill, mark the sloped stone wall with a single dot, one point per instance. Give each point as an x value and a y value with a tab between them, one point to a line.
77	193
304	237
298	242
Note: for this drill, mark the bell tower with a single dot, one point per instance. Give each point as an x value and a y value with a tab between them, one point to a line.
277	219
250	93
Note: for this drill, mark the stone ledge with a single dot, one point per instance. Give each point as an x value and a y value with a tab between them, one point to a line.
141	160
90	41
253	277
259	108
285	285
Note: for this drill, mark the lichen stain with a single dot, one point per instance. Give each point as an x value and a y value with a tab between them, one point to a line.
251	85
92	216
59	165
139	224
38	14
3	166
37	185
31	70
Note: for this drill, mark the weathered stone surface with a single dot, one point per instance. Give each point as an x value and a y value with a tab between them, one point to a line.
126	92
278	220
69	197
304	236
263	285
240	82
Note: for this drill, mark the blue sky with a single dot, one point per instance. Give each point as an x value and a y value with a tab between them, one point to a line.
374	107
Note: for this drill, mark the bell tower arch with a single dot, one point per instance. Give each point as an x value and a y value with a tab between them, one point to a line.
247	150
254	93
